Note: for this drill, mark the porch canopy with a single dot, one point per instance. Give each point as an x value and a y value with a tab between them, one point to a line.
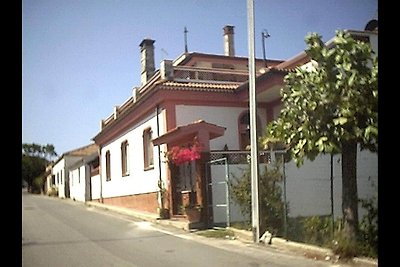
203	130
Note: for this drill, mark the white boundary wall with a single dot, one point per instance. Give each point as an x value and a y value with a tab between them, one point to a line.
95	186
79	183
307	187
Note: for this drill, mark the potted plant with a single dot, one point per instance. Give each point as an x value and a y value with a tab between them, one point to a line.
193	212
162	211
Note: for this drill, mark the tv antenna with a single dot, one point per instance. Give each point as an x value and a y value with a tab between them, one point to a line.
164	51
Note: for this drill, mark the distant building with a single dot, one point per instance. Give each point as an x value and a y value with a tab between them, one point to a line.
62	166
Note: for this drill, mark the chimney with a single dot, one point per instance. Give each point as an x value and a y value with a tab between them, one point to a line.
147	60
229	46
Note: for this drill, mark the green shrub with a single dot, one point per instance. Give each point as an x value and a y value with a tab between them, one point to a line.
317	230
52	192
270	195
369	228
37	185
295	231
344	246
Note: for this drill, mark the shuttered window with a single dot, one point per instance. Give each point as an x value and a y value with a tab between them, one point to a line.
108	166
148	148
125	158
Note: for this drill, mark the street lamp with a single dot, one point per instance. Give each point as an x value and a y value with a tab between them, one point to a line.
264	35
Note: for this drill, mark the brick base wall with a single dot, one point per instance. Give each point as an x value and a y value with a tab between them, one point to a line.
141	202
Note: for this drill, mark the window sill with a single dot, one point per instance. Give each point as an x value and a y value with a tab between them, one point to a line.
186	191
151	167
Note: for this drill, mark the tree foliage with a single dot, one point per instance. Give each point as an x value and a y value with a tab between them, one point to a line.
34	161
331	106
42	151
334	100
31	168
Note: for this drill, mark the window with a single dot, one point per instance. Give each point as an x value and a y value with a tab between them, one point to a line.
244	130
108	166
148	148
61	177
125	158
187	178
79	175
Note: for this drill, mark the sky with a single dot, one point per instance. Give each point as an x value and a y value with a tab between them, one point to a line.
80	58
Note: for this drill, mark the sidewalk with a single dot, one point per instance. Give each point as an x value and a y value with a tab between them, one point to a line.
310	251
147	216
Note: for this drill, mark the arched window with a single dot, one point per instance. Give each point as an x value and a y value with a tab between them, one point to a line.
108	166
125	158
244	130
148	148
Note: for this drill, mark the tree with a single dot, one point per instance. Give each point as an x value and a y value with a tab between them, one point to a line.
46	151
332	107
34	160
31	168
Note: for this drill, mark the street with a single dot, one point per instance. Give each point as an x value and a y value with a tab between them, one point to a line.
61	232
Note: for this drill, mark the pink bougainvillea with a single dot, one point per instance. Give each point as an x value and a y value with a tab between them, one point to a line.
181	154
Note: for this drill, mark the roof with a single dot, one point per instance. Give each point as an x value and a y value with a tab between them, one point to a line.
268	72
189	131
190	78
186	57
295	61
302	57
85	160
80	152
83	151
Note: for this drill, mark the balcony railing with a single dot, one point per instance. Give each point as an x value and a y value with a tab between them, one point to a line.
181	73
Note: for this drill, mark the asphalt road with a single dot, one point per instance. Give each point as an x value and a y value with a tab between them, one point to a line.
60	232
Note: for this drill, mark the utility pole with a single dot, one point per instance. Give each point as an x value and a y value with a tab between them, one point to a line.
332	200
253	125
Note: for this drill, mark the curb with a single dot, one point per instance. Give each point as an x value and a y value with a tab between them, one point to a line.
306	249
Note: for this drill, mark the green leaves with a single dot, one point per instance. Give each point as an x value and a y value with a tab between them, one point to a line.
340	121
320	143
335	100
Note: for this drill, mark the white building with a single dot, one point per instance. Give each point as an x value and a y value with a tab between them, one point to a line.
80	175
62	166
197	95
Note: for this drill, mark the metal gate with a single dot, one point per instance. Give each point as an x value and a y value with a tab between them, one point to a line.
218	196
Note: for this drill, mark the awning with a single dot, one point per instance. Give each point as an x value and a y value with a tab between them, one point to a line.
203	130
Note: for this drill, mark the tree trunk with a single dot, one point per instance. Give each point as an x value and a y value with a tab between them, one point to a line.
349	189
